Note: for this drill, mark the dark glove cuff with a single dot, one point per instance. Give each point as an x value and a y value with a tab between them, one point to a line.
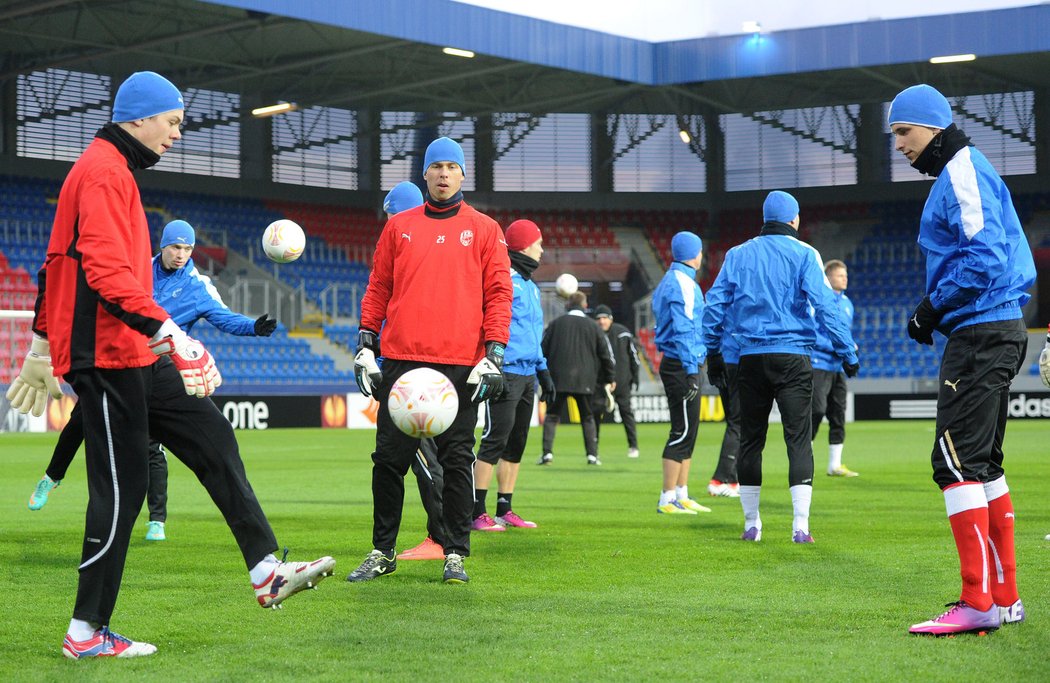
494	351
367	339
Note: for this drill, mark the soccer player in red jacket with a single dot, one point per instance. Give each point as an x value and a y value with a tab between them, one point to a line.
441	281
135	372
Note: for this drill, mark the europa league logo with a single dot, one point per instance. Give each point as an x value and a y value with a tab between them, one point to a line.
333	411
58	412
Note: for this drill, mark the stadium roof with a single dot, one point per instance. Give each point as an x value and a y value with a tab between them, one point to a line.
385	54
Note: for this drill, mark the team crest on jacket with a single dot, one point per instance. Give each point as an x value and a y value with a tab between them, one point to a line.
466	237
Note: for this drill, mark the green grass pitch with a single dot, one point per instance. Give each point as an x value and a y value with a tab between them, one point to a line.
604	589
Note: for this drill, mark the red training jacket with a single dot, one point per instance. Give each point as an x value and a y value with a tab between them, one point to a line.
441	284
95	304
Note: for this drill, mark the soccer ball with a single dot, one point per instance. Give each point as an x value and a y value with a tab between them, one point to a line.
283	241
566	285
423	403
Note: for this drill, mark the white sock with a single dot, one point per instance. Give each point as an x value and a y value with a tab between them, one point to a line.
682	492
667	497
834	456
262	571
81	630
749	496
801	496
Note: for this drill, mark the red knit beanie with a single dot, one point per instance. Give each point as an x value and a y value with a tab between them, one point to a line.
521	234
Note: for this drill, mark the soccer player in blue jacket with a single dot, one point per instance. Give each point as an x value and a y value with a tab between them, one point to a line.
978	270
187	296
829	381
769	283
678	305
507	417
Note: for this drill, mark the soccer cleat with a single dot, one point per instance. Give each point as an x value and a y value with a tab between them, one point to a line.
288	578
720	489
512	519
105	643
42	491
690	504
632	452
427	550
484	522
1014	614
545	459
842	471
155	531
752	534
801	536
961	618
593	460
375	564
734	490
454	572
674	508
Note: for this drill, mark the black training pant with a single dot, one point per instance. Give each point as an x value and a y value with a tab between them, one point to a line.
395	451
829	398
121	408
604	413
430	479
685	415
507	420
979	362
725	470
69	440
553	417
787	379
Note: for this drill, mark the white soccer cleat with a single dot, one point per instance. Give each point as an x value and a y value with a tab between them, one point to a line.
291	577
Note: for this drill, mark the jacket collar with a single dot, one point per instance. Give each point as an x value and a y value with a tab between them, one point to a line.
778	228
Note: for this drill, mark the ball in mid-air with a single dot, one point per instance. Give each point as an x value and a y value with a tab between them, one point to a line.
566	285
283	241
423	403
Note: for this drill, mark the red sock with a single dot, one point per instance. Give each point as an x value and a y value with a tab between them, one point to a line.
968	514
1002	562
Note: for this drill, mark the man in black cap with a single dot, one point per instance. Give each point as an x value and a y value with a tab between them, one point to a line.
625	353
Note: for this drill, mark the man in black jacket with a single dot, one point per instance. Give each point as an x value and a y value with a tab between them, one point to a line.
578	357
626	356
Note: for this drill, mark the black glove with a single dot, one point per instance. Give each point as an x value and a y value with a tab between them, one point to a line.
547	391
923	321
487	374
851	369
634	384
265	325
693	383
716	370
366	368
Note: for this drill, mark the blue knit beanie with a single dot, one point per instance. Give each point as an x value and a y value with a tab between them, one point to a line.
403	197
780	207
921	105
177	232
685	246
444	149
145	94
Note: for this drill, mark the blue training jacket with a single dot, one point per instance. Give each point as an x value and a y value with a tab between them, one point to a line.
824	357
188	295
678	306
524	355
770	282
978	263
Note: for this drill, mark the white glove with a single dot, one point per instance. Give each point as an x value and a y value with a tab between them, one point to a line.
1044	362
489	380
35	381
366	371
196	366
